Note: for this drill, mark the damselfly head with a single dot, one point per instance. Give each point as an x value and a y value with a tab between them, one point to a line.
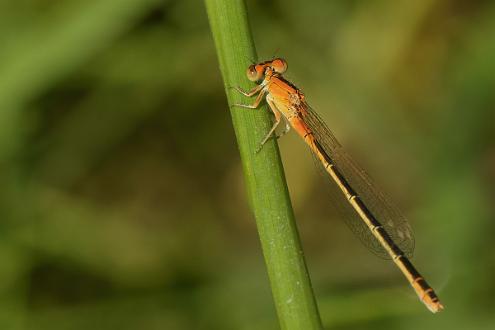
256	72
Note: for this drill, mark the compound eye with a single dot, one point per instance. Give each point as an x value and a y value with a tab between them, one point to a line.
279	65
253	74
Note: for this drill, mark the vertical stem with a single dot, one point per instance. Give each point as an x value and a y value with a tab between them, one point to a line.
264	176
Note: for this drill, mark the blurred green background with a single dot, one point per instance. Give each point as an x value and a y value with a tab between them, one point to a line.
122	201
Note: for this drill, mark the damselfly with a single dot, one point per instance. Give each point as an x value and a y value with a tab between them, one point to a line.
385	230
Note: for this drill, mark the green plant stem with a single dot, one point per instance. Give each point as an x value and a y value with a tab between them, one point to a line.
264	176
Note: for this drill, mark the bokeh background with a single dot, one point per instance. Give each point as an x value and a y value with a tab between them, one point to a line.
122	203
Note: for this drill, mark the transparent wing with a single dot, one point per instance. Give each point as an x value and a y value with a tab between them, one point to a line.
376	201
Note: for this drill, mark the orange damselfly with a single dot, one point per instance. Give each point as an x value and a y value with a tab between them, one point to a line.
378	223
